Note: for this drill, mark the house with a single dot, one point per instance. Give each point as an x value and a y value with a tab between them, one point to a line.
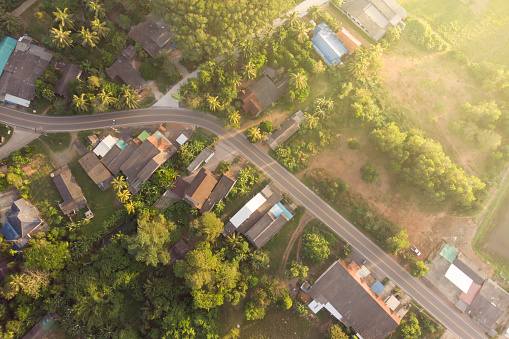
200	189
25	64
153	35
66	184
287	129
202	158
123	68
22	220
348	40
328	45
42	328
70	73
179	251
96	171
268	225
104	146
263	93
219	192
349	299
375	16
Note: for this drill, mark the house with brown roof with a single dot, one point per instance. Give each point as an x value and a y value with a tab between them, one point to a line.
348	40
96	171
263	93
124	69
200	189
349	299
219	192
153	35
66	184
70	73
287	129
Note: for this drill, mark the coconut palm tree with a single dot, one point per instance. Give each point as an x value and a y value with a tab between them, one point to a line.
100	27
254	134
124	196
324	104
64	18
291	19
60	37
249	71
320	112
234	119
119	183
246	49
11	24
105	98
89	38
81	103
235	78
130	98
301	30
130	207
97	8
214	103
230	60
311	121
315	12
298	80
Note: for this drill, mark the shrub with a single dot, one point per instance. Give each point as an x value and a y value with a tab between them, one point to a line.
345	251
148	70
424	37
124	21
223	167
315	247
254	312
285	303
301	309
353	143
369	174
266	126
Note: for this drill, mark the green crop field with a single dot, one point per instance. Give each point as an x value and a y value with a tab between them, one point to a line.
478	28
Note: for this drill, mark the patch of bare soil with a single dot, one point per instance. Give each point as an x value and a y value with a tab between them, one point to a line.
68	155
32	167
295	235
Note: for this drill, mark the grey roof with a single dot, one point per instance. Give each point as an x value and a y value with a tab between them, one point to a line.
152	35
71	193
270	72
179	251
204	154
268	92
96	171
23	217
114	165
287	129
139	159
129	52
200	189
70	73
111	155
125	71
221	190
358	308
489	305
468	271
25	64
149	169
265	229
375	16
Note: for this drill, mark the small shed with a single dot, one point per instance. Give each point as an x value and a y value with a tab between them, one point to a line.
104	146
377	287
392	303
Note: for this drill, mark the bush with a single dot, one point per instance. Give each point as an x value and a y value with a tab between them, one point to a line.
315	247
254	312
369	174
424	37
124	21
301	309
345	251
285	303
266	126
353	143
223	167
148	70
418	268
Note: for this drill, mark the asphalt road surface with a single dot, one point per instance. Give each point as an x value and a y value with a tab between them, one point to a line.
455	322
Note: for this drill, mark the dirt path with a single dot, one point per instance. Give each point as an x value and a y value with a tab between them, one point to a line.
295	235
23	7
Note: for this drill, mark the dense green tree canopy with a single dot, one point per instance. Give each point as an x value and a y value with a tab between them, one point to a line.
210	28
45	255
208	226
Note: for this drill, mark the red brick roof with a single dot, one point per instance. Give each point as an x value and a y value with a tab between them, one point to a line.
349	41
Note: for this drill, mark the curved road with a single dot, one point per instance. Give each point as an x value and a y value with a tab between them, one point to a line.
454	321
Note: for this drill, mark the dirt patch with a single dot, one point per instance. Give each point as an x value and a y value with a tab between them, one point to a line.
295	235
32	167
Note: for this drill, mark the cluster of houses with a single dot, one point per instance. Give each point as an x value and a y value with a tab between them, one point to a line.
466	286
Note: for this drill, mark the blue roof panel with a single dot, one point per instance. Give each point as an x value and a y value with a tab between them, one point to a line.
279	209
9	232
377	287
327	44
7	46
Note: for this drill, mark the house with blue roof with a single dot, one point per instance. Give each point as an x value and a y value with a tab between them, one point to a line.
328	45
22	219
7	46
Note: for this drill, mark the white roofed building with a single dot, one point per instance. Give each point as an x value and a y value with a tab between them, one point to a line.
105	145
458	278
248	209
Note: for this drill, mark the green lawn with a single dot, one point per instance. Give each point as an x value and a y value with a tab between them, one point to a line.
4	132
99	202
58	142
36	23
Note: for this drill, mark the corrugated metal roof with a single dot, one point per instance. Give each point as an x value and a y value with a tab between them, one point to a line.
377	287
16	100
143	136
246	211
104	146
7	46
9	232
458	278
122	144
279	209
327	44
449	253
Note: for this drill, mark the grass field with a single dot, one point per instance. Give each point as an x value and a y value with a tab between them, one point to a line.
58	142
478	28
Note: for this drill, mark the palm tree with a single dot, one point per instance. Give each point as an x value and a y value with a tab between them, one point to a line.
320	112
130	207
246	49
315	11
235	78
281	34
97	8
119	183
230	60
89	38
60	37
64	17
80	102
358	67
105	98
124	196
130	97
249	71
11	24
311	121
324	104
234	118
376	51
291	19
298	80
99	27
214	103
302	32
254	134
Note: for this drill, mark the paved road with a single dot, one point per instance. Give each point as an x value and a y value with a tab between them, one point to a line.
457	323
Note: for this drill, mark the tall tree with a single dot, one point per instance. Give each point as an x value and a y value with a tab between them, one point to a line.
60	37
208	226
315	12
298	80
46	255
152	240
64	17
130	98
89	38
100	27
214	103
81	103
